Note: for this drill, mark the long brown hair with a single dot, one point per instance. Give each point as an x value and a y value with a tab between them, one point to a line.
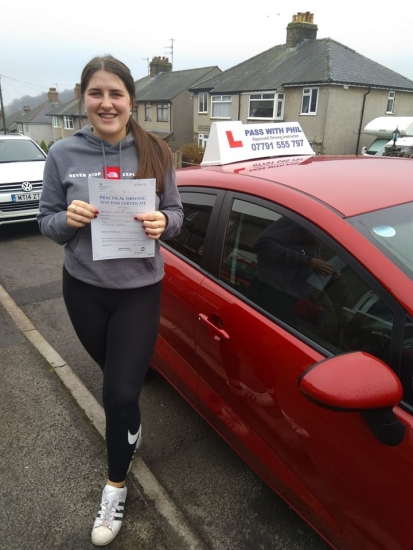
154	155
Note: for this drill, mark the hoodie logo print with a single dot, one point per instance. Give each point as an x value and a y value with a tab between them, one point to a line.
111	172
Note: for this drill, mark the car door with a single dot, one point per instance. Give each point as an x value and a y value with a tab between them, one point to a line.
254	340
185	259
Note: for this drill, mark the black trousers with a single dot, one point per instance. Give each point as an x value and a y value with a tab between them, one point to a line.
118	328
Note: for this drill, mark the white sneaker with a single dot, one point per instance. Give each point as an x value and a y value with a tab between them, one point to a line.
110	515
138	443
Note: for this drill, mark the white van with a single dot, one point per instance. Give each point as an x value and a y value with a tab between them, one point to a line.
383	128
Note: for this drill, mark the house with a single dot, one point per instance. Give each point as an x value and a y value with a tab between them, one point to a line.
67	117
330	89
12	120
163	101
35	122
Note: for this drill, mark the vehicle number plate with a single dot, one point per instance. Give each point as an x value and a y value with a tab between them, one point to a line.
24	197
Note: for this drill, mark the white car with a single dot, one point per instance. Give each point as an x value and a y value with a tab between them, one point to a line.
21	178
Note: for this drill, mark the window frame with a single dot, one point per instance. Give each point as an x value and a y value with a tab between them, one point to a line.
68	123
215	270
391	99
218	100
211	229
162	108
148	111
277	100
56	121
203	103
202	140
308	92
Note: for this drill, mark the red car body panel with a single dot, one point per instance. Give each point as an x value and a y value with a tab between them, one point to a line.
352	489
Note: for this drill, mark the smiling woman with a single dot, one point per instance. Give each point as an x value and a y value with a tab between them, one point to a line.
108	106
114	304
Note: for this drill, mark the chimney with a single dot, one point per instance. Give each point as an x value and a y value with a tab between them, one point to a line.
77	91
160	65
53	95
301	28
26	109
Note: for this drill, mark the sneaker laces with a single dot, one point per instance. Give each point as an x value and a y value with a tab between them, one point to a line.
108	509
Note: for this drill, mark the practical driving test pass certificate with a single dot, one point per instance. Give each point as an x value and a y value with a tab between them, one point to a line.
115	232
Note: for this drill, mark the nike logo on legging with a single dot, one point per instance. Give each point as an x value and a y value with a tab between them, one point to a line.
132	438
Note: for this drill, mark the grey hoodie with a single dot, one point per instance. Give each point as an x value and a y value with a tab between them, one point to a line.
69	164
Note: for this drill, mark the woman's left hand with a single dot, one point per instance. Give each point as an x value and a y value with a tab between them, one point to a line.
153	223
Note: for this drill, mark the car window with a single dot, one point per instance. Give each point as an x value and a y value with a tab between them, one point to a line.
197	212
407	361
277	264
19	150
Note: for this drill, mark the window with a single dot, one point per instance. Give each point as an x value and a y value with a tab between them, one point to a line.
202	140
266	106
197	212
309	101
148	109
20	128
390	102
273	262
162	112
68	122
55	122
221	106
203	102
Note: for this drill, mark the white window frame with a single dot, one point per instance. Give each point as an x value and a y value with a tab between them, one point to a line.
391	98
221	103
68	123
203	103
148	112
277	100
308	95
20	128
55	122
162	112
202	140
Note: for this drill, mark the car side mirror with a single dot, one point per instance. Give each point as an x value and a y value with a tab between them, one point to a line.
358	382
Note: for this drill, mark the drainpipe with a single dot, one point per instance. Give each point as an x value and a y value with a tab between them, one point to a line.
361	121
239	106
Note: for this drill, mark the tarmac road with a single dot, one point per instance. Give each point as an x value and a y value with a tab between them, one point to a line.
189	490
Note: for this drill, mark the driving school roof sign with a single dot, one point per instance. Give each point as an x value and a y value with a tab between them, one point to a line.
233	142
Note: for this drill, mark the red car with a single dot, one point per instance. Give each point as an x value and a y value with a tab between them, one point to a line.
287	323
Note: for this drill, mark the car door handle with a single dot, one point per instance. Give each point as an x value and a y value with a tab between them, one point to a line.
220	334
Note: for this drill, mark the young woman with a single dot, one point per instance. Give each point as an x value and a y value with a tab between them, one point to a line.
114	305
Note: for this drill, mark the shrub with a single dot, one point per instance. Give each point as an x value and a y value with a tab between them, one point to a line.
191	154
44	146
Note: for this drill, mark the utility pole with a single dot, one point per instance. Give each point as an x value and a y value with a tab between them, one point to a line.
2	110
171	49
147	61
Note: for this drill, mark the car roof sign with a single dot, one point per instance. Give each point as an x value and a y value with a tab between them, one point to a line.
233	141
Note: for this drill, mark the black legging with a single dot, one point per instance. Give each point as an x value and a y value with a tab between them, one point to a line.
118	328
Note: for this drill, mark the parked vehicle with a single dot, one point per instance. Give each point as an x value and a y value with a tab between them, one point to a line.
383	129
21	178
287	323
402	147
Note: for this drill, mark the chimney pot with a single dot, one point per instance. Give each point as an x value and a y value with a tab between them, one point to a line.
301	28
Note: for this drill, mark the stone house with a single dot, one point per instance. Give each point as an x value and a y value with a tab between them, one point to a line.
67	117
330	89
164	102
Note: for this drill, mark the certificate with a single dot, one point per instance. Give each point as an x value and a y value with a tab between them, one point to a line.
115	232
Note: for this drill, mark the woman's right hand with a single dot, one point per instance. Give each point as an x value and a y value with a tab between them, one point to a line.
79	213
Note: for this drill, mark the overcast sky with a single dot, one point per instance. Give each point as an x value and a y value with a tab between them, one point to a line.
47	43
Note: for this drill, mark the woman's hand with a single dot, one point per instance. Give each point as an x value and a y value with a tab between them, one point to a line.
153	224
80	213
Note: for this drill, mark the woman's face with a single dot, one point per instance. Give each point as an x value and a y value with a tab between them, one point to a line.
108	106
